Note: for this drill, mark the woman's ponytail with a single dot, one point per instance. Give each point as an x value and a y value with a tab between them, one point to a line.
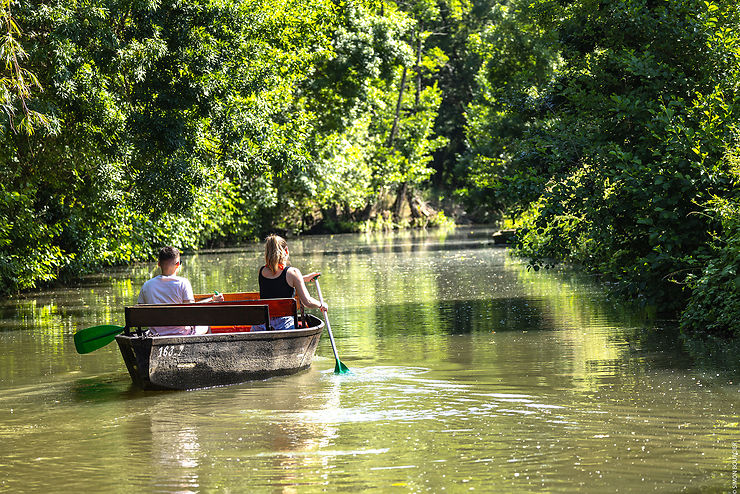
276	252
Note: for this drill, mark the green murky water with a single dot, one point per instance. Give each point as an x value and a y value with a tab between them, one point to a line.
469	374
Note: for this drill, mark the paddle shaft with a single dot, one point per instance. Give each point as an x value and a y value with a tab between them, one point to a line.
326	318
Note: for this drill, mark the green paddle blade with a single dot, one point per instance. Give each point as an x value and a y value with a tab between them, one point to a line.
90	339
340	368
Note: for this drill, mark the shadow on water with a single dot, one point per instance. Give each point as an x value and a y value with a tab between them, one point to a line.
102	389
462	316
113	388
413	248
667	347
657	341
714	354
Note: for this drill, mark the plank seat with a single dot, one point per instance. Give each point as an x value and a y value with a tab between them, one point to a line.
279	307
230	297
141	316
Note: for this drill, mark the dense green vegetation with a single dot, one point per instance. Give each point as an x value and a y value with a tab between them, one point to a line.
200	122
609	131
604	130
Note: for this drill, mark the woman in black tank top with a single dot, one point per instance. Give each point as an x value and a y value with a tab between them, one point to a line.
278	280
276	287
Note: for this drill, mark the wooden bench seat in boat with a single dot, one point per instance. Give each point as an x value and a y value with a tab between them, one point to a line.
222	314
279	307
230	297
240	297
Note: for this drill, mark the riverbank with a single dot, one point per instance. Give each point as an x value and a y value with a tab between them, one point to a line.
701	297
706	349
124	237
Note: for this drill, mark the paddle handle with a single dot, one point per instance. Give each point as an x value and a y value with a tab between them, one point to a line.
326	318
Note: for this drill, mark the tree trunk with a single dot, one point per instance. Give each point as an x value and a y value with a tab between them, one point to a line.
394	129
401	197
417	69
419	208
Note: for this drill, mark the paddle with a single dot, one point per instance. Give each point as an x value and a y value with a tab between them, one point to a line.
90	339
340	368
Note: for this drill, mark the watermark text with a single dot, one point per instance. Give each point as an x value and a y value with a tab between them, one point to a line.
733	482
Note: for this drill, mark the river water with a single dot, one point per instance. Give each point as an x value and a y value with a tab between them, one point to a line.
469	373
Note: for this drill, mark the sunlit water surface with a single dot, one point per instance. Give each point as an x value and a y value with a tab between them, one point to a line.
469	373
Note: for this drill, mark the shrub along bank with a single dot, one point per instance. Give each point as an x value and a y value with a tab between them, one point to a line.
608	130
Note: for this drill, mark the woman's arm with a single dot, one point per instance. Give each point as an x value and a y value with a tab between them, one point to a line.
296	280
308	278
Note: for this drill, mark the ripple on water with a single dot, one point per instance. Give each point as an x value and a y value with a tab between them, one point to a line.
395	394
376	373
497	379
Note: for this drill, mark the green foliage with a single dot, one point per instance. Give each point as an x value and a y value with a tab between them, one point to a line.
16	82
603	126
199	123
606	130
714	307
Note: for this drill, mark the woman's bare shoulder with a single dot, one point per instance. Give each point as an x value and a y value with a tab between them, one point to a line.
294	276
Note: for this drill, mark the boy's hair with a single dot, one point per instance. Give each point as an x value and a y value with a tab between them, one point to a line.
276	252
168	253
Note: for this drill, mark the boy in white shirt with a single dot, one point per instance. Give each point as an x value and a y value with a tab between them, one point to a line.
168	288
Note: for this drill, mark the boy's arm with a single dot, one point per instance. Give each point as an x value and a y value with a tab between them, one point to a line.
188	296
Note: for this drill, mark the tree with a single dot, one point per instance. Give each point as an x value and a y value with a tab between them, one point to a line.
16	82
622	127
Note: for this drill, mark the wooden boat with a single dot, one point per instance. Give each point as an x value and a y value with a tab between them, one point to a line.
231	354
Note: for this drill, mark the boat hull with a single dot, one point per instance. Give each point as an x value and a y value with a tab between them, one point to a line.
188	362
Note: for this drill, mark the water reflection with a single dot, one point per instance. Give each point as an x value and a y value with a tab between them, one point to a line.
468	372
